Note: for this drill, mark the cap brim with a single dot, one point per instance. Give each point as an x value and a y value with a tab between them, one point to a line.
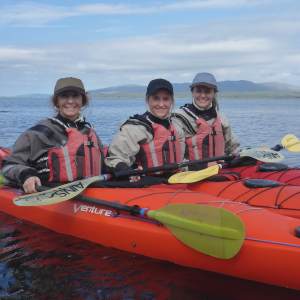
70	88
150	93
211	86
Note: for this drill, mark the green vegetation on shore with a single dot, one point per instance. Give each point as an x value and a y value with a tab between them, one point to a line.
259	95
188	95
223	95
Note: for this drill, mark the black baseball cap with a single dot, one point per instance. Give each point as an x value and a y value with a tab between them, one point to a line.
157	84
69	83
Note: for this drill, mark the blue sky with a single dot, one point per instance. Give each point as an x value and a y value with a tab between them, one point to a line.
108	43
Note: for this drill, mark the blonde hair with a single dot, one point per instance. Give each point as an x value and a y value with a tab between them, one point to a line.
215	103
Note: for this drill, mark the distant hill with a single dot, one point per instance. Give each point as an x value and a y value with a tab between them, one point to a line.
134	90
130	88
223	86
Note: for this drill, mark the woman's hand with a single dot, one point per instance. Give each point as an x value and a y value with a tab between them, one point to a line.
136	178
213	163
29	184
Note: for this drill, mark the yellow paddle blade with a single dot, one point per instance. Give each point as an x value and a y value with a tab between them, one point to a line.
2	179
291	143
57	194
190	176
178	176
211	230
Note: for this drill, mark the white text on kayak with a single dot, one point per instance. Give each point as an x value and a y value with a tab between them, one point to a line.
92	210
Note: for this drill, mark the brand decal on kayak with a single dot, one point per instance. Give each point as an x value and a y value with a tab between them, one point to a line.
92	210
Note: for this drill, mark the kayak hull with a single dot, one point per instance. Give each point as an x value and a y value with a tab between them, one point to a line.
263	261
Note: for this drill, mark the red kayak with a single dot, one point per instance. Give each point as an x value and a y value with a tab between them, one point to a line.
271	171
270	252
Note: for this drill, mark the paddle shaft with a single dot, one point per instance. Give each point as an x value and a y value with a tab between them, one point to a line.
173	166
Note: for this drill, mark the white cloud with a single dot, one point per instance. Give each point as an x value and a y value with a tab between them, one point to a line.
176	6
260	49
31	13
35	14
133	60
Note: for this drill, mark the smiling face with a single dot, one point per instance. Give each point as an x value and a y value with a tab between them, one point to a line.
69	104
203	96
160	102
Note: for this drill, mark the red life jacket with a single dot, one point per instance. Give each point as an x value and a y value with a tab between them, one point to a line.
164	149
208	141
78	159
75	159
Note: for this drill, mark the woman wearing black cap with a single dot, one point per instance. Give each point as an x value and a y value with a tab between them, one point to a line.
60	149
150	139
207	131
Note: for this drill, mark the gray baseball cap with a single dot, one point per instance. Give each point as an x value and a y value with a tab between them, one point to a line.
69	83
205	79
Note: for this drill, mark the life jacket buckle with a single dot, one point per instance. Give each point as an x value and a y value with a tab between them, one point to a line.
213	132
89	144
172	138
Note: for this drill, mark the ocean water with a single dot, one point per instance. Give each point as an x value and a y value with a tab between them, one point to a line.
255	122
38	263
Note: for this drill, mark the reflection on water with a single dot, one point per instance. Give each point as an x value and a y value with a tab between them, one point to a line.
37	263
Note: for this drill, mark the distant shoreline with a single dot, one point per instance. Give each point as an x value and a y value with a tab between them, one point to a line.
221	95
188	95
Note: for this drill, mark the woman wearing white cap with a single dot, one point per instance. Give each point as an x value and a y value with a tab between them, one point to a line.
60	149
150	139
207	131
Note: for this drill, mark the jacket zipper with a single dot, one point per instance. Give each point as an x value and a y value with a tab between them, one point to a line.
91	156
173	146
214	142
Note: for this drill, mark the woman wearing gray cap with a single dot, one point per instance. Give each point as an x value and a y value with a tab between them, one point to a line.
60	149
151	139
207	131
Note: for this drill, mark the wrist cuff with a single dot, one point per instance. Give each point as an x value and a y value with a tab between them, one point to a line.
28	173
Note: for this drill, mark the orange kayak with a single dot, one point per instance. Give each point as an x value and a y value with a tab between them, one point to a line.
283	199
271	171
269	254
